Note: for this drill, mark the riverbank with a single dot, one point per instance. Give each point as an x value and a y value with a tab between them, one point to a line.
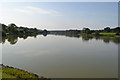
101	35
106	37
8	72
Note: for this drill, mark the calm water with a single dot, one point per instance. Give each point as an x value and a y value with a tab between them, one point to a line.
63	57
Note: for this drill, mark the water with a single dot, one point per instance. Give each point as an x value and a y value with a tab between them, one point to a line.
56	56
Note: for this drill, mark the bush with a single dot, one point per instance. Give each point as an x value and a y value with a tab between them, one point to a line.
117	33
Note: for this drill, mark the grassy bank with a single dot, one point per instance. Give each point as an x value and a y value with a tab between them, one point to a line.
108	34
10	72
7	72
106	37
102	34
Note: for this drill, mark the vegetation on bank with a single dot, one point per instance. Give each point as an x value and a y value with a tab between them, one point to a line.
12	33
11	72
108	34
86	32
12	29
105	32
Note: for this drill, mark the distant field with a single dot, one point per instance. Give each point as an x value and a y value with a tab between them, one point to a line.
109	34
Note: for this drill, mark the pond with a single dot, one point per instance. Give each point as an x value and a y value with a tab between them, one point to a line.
58	56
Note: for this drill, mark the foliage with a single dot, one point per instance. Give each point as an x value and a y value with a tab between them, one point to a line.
10	72
108	34
12	29
107	29
18	74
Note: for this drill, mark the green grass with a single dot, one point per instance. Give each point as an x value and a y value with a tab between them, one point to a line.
20	29
9	72
108	34
0	73
4	75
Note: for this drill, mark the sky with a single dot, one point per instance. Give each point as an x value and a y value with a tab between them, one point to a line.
60	15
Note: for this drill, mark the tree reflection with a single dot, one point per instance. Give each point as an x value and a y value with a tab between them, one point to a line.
106	40
13	39
85	37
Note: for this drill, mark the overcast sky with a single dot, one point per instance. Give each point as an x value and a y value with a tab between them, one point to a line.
60	15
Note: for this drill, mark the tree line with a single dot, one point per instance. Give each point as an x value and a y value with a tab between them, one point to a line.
12	29
96	32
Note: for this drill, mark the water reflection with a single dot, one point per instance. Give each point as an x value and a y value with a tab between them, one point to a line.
106	39
13	39
62	56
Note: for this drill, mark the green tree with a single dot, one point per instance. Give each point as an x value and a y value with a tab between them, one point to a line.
12	28
107	29
86	30
97	33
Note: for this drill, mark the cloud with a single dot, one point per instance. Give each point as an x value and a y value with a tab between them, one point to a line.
24	11
36	10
